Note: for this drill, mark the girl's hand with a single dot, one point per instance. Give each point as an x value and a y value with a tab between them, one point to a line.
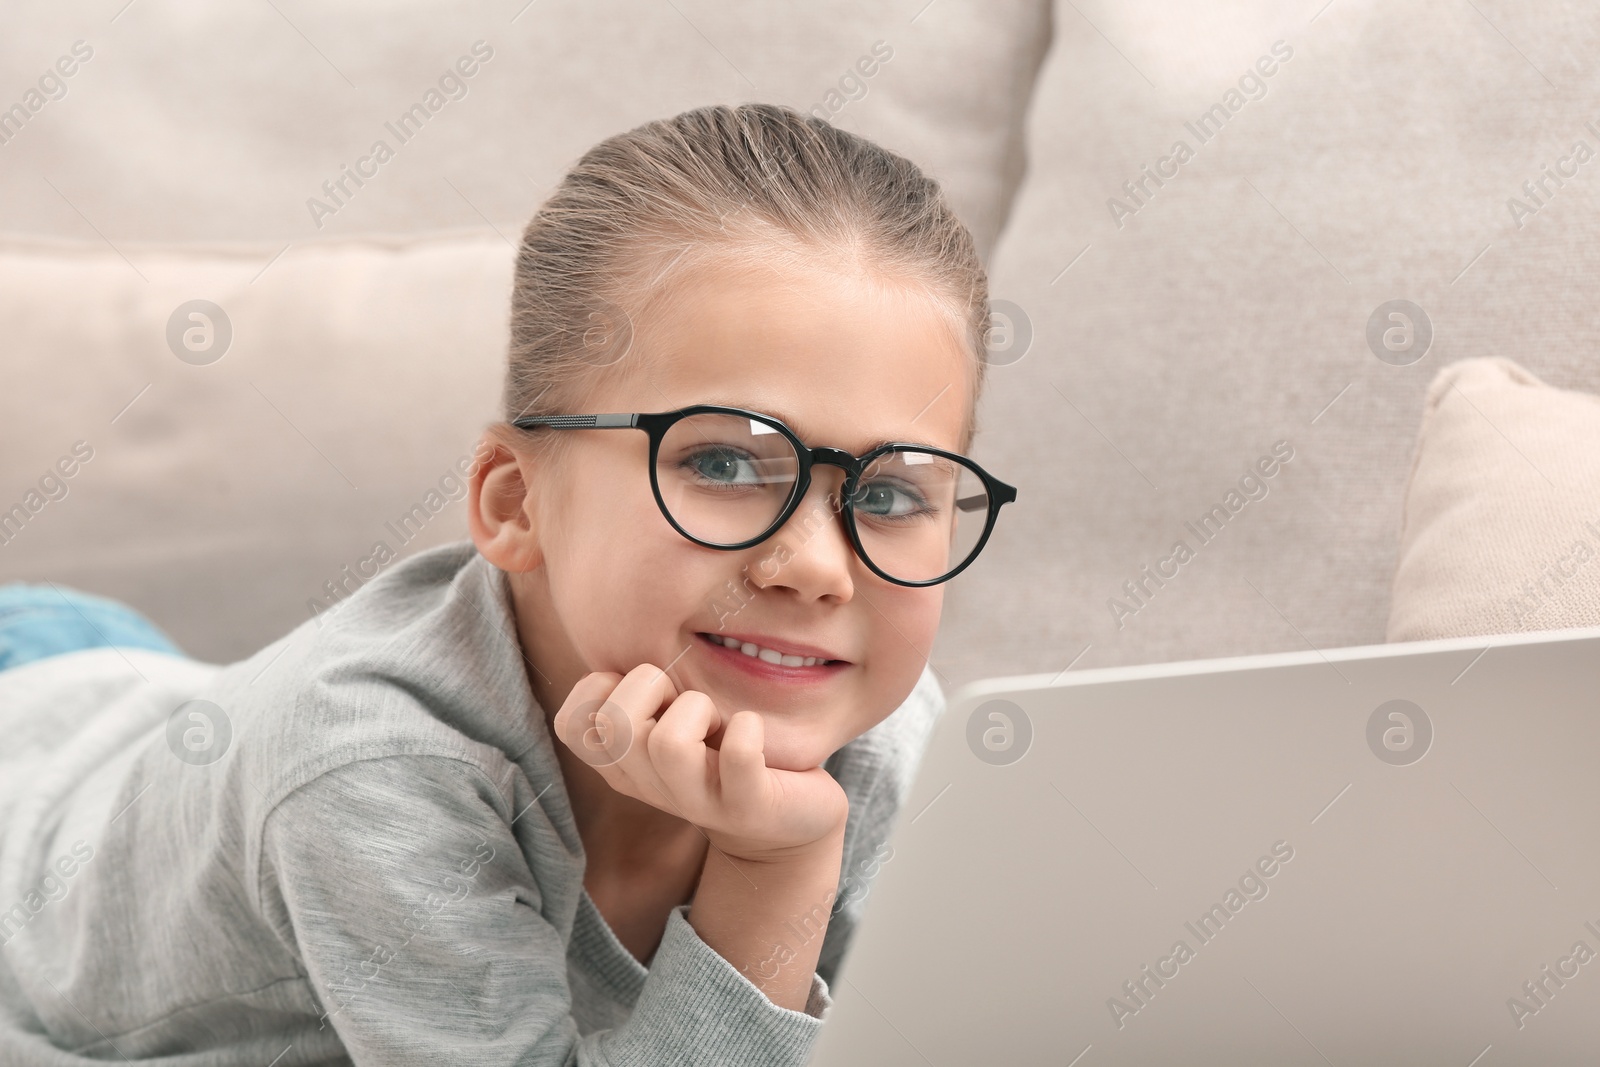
650	742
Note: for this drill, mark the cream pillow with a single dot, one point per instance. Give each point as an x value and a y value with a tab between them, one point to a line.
481	107
1501	526
340	391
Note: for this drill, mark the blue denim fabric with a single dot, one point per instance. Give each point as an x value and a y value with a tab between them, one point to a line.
44	620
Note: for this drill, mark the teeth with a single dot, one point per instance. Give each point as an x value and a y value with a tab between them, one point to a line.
767	654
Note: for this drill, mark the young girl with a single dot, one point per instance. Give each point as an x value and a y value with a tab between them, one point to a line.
606	783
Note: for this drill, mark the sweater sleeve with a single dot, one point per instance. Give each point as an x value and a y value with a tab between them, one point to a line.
400	889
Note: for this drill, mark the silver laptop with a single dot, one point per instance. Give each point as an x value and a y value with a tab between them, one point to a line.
1380	855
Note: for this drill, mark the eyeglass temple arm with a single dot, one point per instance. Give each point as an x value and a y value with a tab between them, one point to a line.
578	422
980	501
1003	494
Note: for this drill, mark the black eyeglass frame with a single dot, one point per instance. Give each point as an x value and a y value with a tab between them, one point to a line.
656	424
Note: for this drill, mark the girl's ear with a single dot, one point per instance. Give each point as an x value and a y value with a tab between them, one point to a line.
502	508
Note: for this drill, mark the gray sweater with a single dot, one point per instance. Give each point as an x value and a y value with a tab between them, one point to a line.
359	851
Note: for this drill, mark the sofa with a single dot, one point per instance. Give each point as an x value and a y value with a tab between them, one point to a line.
1220	241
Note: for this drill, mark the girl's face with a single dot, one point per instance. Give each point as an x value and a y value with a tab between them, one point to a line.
846	362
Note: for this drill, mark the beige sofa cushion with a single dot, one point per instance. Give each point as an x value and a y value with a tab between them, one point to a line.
1501	532
220	496
221	121
1230	311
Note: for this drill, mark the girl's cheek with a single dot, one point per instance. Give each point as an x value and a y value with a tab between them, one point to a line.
917	616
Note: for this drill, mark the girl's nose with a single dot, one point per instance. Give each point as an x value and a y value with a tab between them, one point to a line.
811	552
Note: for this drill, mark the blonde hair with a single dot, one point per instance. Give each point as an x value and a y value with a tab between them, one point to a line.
642	210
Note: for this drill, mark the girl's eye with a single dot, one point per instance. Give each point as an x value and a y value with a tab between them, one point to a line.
889	500
722	466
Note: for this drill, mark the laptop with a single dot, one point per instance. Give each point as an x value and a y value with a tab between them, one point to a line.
1378	855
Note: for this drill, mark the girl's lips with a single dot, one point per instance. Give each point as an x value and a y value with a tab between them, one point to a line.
771	672
783	646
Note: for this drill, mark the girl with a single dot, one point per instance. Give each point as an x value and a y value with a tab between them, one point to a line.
604	784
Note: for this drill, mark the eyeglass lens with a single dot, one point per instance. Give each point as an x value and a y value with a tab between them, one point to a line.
725	479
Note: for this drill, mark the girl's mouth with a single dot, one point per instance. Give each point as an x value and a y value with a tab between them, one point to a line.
769	663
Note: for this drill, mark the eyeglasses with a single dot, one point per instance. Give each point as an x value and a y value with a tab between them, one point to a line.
729	478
